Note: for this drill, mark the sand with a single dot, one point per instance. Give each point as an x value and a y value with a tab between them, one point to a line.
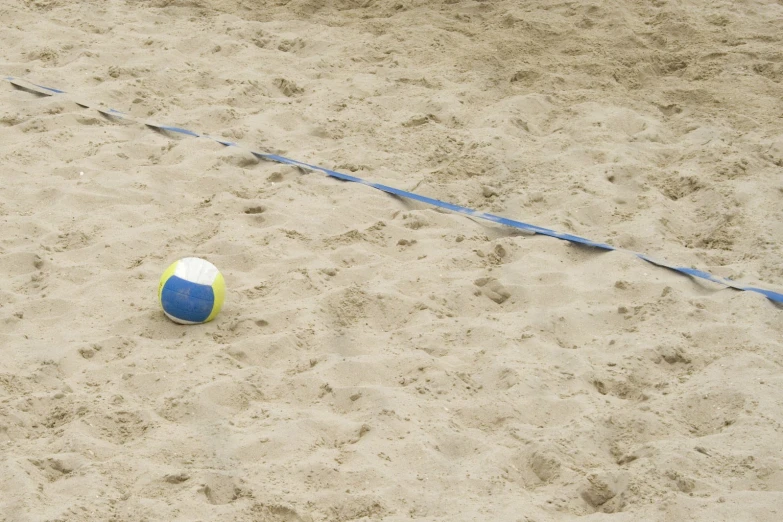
377	359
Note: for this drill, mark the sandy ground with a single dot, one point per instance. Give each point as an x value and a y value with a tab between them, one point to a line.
376	359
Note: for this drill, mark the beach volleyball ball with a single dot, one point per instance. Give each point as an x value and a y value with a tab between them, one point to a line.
191	291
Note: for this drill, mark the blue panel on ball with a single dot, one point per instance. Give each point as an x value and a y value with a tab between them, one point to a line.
187	301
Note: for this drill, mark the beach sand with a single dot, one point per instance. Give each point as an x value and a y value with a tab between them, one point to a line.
377	359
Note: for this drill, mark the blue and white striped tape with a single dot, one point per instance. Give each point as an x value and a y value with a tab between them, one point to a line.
776	297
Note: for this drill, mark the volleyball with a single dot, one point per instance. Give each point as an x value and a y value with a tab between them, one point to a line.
191	291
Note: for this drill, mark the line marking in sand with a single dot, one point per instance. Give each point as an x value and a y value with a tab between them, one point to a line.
776	297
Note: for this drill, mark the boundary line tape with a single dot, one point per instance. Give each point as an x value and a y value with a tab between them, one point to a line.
776	297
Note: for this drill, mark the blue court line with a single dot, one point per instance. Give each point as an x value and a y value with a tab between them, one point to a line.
777	297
